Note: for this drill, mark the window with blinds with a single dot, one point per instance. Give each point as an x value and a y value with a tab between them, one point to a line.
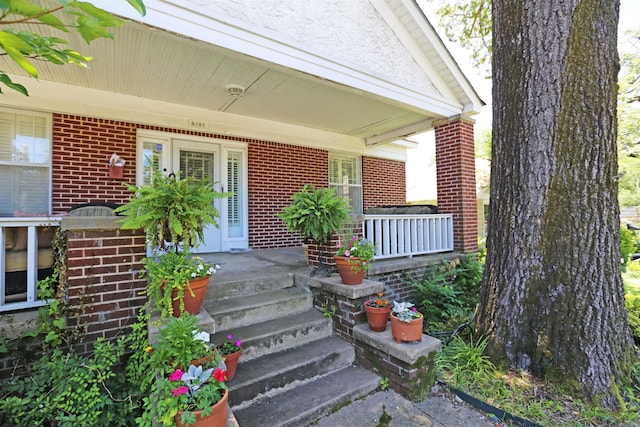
345	178
235	203
151	160
25	162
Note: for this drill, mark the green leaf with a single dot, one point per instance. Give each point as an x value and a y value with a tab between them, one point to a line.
10	84
139	6
13	41
28	9
19	59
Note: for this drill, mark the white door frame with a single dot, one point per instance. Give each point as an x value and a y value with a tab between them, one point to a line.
168	142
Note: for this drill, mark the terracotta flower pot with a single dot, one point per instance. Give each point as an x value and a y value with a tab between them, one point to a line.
350	270
231	360
406	331
377	316
217	417
192	304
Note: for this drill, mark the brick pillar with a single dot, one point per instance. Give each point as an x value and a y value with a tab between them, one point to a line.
456	170
104	289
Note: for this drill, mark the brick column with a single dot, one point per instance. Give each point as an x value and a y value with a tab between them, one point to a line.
455	164
104	290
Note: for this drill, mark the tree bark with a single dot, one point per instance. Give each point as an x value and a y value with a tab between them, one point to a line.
553	299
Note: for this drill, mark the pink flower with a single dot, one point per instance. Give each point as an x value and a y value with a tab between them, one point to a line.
176	376
219	374
347	253
180	390
238	343
229	337
414	309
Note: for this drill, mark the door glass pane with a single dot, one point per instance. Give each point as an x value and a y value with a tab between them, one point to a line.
151	161
235	207
196	164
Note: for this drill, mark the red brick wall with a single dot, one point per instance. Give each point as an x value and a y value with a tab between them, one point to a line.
103	287
82	147
457	181
383	182
276	172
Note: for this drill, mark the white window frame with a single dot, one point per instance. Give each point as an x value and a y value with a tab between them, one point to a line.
340	185
49	135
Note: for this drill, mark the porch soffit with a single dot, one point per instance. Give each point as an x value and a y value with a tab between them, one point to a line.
178	57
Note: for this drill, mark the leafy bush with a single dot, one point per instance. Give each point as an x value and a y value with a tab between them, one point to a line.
632	304
65	389
449	292
628	244
465	363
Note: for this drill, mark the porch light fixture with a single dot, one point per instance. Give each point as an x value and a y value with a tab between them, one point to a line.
234	91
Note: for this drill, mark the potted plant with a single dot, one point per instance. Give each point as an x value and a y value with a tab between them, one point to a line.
315	214
406	322
194	397
353	259
188	386
377	313
177	281
231	350
173	213
179	343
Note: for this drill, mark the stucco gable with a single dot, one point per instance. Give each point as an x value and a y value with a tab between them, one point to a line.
351	32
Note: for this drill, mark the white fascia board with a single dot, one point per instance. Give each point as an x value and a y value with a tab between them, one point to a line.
67	99
475	104
236	36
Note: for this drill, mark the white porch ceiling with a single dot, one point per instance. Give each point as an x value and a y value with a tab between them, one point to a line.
159	65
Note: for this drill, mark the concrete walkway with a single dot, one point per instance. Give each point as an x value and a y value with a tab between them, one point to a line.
390	409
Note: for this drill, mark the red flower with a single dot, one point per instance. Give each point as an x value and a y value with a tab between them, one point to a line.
219	374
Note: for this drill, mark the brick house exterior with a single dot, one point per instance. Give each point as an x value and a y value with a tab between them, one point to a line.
305	102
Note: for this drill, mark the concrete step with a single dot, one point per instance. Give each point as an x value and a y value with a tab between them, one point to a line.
223	288
308	402
257	308
277	372
278	334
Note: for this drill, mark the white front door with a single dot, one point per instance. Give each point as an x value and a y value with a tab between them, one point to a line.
201	161
223	162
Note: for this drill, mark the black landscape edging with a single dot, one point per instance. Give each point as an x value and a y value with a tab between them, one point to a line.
487	408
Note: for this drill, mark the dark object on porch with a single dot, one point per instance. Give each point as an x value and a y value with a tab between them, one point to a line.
402	210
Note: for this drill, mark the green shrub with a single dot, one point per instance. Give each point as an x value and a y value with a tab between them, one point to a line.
449	292
632	304
628	244
65	389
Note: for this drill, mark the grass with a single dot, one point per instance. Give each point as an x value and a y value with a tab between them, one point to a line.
463	365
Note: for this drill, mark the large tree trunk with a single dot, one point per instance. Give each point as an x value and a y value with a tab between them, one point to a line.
553	299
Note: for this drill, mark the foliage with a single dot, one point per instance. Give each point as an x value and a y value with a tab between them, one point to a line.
179	342
468	22
229	345
632	304
328	312
315	213
20	46
405	311
628	244
171	270
449	290
357	247
379	302
465	363
196	389
172	211
66	389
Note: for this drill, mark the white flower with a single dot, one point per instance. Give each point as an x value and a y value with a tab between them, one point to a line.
201	336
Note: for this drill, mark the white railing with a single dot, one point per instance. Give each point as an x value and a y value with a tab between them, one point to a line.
20	258
408	235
